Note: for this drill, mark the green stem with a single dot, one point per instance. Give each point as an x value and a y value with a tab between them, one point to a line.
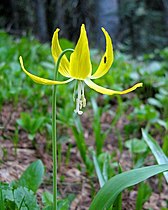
54	130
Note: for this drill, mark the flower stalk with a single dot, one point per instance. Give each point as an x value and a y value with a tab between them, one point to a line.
54	130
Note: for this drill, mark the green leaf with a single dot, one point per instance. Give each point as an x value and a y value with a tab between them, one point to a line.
162	123
136	145
144	192
108	193
47	198
24	121
2	207
48	208
118	201
25	199
7	191
156	150
98	170
63	204
32	176
8	194
29	123
165	145
31	136
37	123
155	102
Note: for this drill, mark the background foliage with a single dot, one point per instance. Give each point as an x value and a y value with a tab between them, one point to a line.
141	26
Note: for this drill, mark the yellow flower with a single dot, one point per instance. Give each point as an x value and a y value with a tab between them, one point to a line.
79	67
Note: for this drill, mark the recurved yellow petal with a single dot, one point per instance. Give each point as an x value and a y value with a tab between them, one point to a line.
56	51
106	91
107	58
80	64
40	80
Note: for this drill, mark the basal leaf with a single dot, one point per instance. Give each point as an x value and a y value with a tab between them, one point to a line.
32	176
108	193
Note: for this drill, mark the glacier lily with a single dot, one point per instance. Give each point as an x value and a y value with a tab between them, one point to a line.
79	67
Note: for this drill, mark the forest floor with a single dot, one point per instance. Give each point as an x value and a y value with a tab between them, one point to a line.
71	180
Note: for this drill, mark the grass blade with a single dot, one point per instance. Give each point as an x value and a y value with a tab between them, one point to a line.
32	177
98	170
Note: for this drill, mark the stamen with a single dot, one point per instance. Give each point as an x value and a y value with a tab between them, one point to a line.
74	92
83	96
80	101
80	104
77	110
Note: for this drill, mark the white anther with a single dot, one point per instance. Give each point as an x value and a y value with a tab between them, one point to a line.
80	112
80	104
83	95
80	101
83	101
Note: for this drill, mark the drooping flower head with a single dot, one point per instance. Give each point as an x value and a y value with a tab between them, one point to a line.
79	67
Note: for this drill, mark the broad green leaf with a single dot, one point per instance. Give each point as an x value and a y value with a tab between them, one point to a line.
118	201
136	145
25	199
108	193
156	150
32	176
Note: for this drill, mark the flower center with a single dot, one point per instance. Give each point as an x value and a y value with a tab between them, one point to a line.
80	100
